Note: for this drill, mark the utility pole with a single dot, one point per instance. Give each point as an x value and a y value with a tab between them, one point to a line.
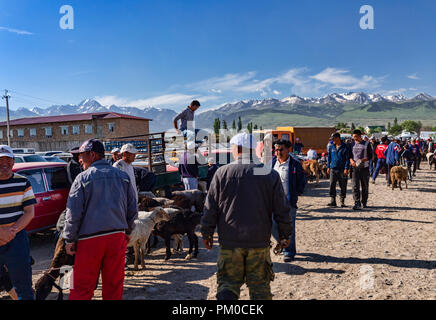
6	96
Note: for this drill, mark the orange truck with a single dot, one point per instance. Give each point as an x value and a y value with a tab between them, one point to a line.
312	137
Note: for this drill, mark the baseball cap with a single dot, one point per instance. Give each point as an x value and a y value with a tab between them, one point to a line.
335	135
75	150
6	151
92	145
128	148
115	150
244	140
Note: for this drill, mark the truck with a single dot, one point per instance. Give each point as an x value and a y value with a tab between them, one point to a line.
312	137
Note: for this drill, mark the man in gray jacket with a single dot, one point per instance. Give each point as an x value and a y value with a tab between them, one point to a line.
241	201
101	210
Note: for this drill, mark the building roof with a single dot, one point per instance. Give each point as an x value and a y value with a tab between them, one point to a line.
70	117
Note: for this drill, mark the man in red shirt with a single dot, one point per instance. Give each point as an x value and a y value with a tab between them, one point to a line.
381	158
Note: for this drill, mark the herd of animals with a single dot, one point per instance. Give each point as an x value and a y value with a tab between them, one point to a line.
171	218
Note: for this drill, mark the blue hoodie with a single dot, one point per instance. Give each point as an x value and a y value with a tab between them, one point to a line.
392	153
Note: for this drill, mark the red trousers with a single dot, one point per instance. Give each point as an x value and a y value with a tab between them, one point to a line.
105	254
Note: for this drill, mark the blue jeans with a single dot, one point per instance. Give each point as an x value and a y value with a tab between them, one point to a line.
380	163
291	250
16	256
190	183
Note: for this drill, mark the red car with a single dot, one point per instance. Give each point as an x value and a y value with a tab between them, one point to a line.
50	185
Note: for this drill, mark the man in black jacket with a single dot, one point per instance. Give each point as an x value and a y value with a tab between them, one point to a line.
242	200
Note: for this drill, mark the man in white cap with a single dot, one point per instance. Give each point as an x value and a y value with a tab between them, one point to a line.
16	212
242	204
116	155
188	167
128	153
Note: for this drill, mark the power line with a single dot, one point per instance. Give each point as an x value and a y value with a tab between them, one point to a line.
30	96
7	96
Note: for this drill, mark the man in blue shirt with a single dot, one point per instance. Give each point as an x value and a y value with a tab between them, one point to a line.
392	154
337	167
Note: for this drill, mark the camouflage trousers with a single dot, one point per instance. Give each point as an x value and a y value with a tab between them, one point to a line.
252	266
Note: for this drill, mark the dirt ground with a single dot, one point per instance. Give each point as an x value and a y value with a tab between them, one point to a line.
384	252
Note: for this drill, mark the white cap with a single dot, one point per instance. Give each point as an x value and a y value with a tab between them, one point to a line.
6	151
190	145
115	150
244	140
128	148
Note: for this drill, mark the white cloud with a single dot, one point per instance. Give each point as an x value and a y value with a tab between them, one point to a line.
169	100
276	92
413	76
21	32
341	79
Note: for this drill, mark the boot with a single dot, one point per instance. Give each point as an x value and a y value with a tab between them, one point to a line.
343	203
357	206
332	203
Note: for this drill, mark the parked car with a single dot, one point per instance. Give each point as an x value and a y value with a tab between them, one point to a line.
51	187
66	156
23	150
48	153
19	158
53	159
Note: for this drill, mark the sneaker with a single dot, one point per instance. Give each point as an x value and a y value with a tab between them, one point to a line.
373	181
288	258
332	204
357	206
343	205
365	206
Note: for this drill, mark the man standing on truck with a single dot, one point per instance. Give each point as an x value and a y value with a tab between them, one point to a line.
186	116
298	145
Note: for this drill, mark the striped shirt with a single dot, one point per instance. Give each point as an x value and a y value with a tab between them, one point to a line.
15	194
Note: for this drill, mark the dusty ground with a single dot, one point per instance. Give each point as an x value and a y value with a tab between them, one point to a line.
385	252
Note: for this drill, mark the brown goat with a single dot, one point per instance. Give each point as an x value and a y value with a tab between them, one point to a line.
45	284
311	168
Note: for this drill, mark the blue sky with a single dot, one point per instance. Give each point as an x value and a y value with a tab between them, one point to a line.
165	53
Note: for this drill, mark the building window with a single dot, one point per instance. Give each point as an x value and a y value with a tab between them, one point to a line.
76	129
11	133
48	133
32	132
1	134
88	129
20	133
111	127
64	130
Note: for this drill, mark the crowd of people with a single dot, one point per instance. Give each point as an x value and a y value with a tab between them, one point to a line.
247	202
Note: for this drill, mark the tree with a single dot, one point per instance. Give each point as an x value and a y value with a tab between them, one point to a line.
395	121
353	127
389	126
395	130
361	129
411	126
234	125
250	127
224	124
239	124
255	127
217	126
377	130
433	129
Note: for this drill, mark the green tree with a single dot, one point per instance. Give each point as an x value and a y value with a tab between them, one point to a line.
250	127
411	126
395	121
224	124
255	127
239	124
389	126
433	129
217	126
353	127
395	130
377	130
234	125
361	129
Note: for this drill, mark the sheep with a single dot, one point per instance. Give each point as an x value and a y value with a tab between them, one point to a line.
311	168
399	174
45	284
431	158
183	222
142	230
196	197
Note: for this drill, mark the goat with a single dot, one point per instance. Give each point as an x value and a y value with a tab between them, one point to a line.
311	168
183	222
196	197
45	284
142	230
431	158
399	174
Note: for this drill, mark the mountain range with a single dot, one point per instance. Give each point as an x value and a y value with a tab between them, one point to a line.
358	107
